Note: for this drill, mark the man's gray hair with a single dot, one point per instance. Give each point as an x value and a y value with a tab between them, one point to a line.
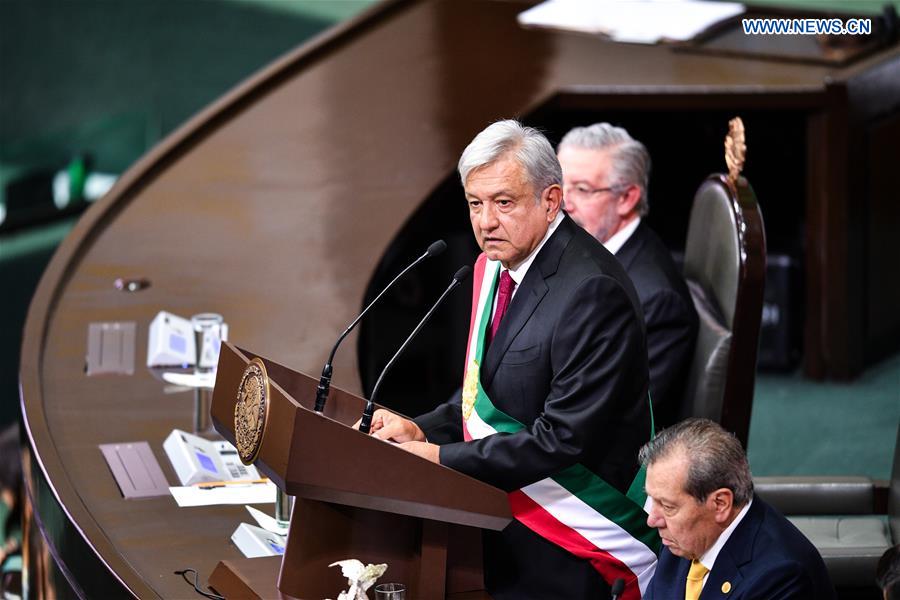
715	456
531	149
630	159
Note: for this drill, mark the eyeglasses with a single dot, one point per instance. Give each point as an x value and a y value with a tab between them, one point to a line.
585	191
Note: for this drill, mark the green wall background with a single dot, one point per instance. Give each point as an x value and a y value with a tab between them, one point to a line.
110	79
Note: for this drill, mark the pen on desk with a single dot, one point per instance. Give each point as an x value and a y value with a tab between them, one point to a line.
216	484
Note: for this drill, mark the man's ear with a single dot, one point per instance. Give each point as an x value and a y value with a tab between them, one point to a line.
551	200
721	501
628	201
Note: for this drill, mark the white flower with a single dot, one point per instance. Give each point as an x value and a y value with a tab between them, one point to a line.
360	577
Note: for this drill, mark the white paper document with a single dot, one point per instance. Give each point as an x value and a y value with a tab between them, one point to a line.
250	493
637	21
266	522
200	379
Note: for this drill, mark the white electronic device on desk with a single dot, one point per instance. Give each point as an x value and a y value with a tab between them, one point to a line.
197	460
255	541
173	340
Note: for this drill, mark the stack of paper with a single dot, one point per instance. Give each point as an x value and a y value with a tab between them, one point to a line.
227	493
637	21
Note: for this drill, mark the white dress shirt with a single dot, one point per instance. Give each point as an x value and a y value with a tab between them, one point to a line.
518	274
709	557
615	243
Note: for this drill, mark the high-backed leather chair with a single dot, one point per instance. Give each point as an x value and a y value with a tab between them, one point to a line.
724	265
842	517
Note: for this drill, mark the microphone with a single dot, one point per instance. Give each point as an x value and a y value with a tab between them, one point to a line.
325	380
618	587
366	423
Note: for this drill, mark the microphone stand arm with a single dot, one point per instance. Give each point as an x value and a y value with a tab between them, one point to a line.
366	423
325	380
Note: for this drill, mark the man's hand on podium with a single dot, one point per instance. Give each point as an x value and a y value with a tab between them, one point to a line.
431	452
388	426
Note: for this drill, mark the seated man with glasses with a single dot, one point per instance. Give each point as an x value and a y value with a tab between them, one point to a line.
605	175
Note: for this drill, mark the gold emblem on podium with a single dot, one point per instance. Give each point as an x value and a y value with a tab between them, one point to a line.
735	149
251	410
470	390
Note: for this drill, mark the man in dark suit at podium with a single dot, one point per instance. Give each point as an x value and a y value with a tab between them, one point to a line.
720	540
554	403
605	177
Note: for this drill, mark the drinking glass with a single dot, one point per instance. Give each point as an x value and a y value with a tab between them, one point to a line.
208	337
390	591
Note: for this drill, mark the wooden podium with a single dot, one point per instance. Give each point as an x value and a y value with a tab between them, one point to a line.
356	497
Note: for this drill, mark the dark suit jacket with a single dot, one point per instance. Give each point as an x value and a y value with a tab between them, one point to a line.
569	362
766	558
669	316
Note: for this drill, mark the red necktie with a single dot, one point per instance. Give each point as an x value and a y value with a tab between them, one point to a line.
504	295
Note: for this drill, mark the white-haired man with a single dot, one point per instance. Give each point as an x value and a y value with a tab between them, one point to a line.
605	178
554	402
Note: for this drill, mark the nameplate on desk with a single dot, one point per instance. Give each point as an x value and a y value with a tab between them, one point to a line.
110	348
136	470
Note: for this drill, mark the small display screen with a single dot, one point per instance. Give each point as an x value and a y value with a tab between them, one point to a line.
177	343
206	462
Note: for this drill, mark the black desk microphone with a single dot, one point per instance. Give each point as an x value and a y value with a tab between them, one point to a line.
366	423
325	380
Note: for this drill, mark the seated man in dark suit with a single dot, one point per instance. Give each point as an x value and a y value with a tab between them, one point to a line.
605	174
719	539
887	574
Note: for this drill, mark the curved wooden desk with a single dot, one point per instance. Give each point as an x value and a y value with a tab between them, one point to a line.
274	207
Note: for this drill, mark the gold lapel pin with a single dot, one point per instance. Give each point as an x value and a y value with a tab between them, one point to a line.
726	587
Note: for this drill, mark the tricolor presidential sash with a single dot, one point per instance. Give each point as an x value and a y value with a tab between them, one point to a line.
574	509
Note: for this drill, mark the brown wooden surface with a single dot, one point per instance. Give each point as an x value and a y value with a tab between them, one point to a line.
356	496
248	578
333	532
320	457
738	403
274	205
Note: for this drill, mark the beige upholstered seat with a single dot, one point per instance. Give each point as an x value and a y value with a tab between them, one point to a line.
849	536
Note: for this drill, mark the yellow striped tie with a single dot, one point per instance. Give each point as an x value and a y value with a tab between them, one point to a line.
695	580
